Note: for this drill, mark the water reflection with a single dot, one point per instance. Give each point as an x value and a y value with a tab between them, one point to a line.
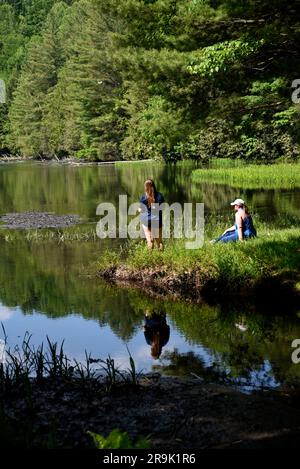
156	332
79	189
42	282
44	289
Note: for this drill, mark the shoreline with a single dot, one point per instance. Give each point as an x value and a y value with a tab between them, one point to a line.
264	270
270	293
66	161
171	412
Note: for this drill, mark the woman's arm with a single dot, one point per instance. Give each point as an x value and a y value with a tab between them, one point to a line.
232	228
239	224
142	204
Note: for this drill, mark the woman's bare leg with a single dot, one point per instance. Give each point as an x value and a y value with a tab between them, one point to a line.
158	239
150	240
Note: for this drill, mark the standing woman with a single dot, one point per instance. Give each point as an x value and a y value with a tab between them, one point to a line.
151	215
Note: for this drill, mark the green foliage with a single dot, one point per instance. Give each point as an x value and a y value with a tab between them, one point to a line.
118	440
40	75
149	79
154	132
215	59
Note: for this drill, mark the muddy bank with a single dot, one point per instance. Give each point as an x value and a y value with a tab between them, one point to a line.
157	282
37	220
269	293
174	413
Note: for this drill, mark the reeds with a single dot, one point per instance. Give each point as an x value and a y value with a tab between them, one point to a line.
254	176
26	364
49	234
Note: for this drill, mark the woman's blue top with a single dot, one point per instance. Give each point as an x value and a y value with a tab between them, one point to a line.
151	217
248	227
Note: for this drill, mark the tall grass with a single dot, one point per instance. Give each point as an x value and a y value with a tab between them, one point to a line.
225	163
82	234
27	364
275	176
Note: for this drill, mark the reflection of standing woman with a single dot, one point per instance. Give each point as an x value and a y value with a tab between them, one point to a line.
151	216
157	332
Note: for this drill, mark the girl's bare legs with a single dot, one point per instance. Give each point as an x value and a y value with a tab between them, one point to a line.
158	238
148	234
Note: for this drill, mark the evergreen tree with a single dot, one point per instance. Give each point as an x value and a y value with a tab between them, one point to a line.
39	76
169	79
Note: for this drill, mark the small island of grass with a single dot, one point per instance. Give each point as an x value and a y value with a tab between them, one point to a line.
267	265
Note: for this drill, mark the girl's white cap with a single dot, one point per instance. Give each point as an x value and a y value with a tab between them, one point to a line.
238	202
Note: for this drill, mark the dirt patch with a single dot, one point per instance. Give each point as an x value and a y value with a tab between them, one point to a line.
174	413
38	220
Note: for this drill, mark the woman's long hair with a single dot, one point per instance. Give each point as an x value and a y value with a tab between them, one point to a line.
150	191
244	207
246	210
156	346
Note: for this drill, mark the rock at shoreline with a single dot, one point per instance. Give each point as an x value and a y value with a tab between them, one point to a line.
38	220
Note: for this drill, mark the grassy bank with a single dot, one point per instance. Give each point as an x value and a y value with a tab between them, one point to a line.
276	176
220	270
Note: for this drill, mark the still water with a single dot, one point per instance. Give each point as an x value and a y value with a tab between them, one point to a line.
45	289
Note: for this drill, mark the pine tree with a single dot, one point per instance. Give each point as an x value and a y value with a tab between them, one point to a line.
39	76
83	112
95	86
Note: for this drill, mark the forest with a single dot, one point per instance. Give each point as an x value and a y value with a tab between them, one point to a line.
107	80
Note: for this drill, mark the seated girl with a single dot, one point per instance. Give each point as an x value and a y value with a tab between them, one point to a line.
243	227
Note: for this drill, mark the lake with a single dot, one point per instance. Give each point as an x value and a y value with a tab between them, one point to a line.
45	289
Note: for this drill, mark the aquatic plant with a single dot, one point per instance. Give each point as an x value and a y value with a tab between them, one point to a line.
82	234
26	364
275	176
118	440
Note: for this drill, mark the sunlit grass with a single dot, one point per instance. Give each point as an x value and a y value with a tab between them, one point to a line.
275	176
271	253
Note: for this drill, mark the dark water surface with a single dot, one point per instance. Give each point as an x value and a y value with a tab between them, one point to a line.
44	288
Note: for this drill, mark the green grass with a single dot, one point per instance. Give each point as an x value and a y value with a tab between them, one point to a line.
136	163
275	252
225	163
275	176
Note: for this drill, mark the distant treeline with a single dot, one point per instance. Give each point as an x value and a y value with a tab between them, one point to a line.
136	79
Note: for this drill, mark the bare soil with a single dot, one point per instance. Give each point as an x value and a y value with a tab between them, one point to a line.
174	413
